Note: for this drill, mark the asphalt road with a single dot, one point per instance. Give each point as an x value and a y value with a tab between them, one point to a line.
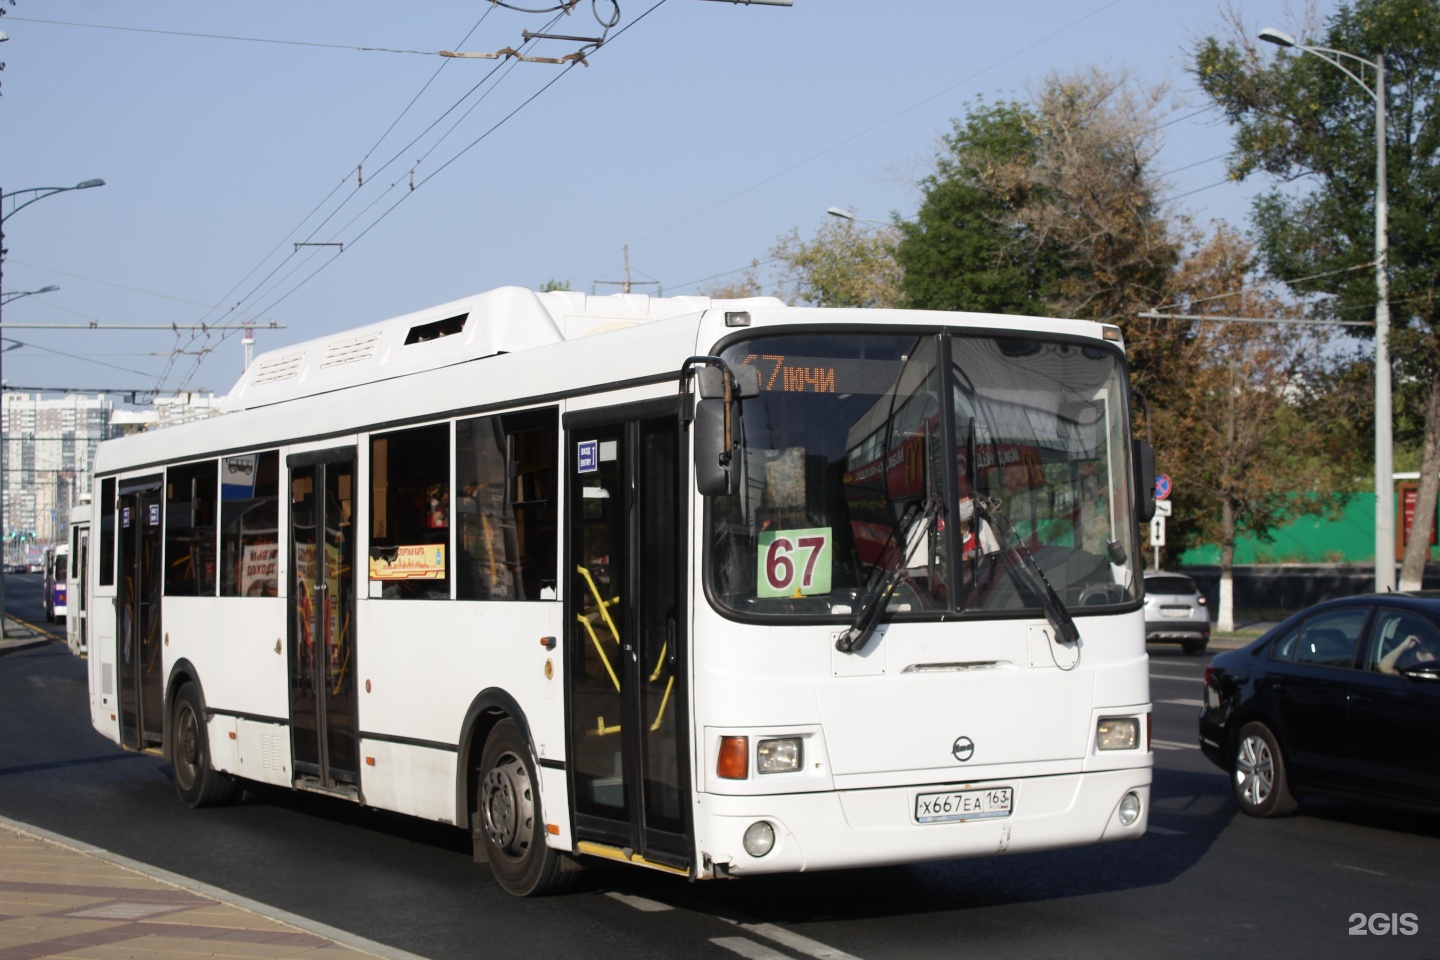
1205	882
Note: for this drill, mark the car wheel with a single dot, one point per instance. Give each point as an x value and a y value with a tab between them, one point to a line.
1258	773
198	784
1193	648
508	819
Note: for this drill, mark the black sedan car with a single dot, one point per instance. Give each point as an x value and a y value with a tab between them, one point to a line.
1342	700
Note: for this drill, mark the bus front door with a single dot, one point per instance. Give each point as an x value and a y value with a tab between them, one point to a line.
626	610
323	722
138	632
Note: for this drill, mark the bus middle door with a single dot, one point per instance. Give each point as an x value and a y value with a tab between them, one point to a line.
628	700
138	633
323	721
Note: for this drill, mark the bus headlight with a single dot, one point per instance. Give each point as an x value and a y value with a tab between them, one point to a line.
1117	733
759	838
779	756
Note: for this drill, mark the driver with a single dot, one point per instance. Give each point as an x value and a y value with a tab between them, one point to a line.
1409	652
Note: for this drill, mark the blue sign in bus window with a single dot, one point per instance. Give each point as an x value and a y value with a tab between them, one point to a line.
587	456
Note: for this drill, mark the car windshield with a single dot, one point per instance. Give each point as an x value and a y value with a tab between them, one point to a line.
843	456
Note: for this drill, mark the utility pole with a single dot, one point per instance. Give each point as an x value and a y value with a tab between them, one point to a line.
627	283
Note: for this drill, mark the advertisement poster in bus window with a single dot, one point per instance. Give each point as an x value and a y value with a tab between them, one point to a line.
794	563
258	573
305	574
412	562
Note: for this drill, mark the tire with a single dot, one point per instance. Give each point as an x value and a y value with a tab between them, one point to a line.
1193	648
508	821
1258	773
197	783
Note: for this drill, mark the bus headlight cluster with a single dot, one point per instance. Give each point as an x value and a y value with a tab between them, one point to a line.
1117	733
759	838
779	756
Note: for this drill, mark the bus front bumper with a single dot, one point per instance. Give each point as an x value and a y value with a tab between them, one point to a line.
858	828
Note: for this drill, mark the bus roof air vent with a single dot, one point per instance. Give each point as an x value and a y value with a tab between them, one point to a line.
351	350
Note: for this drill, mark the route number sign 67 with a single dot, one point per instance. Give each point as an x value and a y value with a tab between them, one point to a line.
793	563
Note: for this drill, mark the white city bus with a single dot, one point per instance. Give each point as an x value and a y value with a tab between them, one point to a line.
718	588
56	569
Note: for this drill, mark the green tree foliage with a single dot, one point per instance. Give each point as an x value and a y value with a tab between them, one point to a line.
1259	432
844	265
1053	207
1311	128
966	249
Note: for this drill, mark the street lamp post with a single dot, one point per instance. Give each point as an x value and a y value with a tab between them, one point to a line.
17	294
1384	412
35	193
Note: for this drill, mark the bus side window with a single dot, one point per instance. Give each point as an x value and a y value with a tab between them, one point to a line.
106	572
410	513
249	525
506	507
190	493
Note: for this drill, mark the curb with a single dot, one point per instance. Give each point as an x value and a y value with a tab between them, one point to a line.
354	942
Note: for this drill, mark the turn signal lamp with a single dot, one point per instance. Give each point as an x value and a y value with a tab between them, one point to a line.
734	760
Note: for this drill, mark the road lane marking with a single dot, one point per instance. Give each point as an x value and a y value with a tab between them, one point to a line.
1373	873
1166	676
793	940
748	948
639	903
1172	745
1184	703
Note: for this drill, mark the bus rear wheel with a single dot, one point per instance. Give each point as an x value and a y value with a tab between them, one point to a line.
508	820
198	784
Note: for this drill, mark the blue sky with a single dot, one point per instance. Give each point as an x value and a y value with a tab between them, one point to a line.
697	136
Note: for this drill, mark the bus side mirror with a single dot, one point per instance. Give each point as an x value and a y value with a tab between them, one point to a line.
746	380
717	470
1143	457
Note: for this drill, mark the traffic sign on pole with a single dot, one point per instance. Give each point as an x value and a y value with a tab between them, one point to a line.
1163	508
1162	486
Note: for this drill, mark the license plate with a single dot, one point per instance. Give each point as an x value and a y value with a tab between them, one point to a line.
964	805
1175	611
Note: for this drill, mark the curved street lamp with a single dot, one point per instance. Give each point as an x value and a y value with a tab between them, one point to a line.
1384	413
844	214
17	294
36	193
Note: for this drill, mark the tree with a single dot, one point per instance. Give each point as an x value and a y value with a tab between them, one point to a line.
966	249
845	265
1311	129
1054	208
1256	433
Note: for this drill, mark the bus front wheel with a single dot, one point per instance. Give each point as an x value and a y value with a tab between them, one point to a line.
198	784
508	819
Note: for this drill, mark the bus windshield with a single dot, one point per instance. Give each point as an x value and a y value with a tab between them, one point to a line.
847	483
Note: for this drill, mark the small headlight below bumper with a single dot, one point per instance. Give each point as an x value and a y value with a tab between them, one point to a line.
1117	733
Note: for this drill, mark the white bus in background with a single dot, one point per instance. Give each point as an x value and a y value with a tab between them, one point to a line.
77	615
56	568
717	588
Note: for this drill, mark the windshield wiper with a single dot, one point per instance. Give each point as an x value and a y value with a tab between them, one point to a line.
867	618
1055	611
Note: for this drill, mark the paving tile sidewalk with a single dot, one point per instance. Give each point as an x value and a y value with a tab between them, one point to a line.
60	898
19	635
